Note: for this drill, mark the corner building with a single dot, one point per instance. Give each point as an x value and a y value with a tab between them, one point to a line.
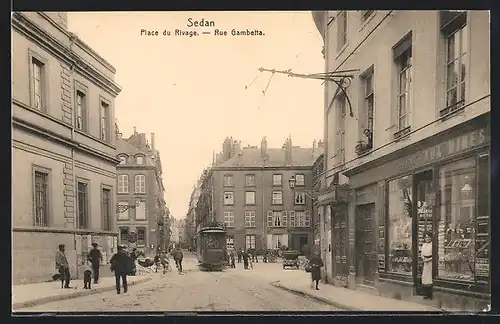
251	194
415	155
63	147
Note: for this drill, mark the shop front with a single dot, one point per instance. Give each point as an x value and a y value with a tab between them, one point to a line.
440	186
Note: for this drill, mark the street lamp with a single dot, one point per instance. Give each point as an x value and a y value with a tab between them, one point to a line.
124	208
311	194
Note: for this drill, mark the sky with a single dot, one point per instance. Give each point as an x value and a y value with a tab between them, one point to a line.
193	92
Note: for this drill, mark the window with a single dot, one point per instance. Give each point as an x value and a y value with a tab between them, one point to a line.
140	211
277	241
250	180
250	198
228	180
104	121
124	235
277	219
41	198
123	215
38	83
277	180
83	207
342	104
277	197
80	110
106	209
228	198
250	241
456	34
365	14
399	228
456	237
249	218
341	30
300	180
123	159
122	183
140	183
141	236
403	59
367	126
229	218
139	159
230	242
300	198
300	219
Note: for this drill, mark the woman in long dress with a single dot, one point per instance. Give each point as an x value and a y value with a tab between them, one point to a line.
427	268
316	264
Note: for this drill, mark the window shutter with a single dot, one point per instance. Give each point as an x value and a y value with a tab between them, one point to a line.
284	240
308	219
270	241
292	218
284	219
270	219
452	20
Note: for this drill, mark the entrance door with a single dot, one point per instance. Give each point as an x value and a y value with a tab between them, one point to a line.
341	268
424	201
365	265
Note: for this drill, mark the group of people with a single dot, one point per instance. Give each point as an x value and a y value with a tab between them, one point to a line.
248	257
122	264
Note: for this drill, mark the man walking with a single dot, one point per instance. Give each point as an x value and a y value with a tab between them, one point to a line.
178	256
240	254
63	266
95	258
121	264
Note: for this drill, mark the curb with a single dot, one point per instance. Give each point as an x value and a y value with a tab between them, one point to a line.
320	299
81	293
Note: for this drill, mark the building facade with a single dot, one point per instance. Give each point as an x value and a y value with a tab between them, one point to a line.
408	152
248	189
64	162
140	186
191	219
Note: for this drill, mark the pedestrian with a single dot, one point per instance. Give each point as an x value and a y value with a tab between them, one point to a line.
121	264
264	256
245	257
95	258
62	266
427	267
240	255
178	256
254	256
316	264
231	259
164	261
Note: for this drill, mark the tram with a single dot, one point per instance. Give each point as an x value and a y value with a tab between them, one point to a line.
212	249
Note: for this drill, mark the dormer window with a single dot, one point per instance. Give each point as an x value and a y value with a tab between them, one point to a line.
123	159
139	159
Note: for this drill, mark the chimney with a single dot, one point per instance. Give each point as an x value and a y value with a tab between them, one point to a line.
152	141
226	149
321	143
263	148
288	151
236	147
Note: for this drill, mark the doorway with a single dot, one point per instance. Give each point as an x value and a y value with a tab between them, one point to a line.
423	205
364	245
341	267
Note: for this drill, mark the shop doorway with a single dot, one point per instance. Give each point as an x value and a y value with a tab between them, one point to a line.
341	267
364	245
424	199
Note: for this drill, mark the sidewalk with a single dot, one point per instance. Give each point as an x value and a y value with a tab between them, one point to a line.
46	292
350	300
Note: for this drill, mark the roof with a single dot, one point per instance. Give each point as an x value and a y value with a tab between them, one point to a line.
123	147
251	157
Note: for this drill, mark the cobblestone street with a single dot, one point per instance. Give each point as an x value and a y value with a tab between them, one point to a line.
230	290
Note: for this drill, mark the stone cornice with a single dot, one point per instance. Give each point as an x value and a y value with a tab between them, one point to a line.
40	131
29	29
260	168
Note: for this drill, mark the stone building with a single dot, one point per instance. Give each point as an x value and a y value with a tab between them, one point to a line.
251	194
63	147
140	185
408	152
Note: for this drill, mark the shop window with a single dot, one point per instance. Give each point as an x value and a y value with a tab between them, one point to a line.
456	232
399	226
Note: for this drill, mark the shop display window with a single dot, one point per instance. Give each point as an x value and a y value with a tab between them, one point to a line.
456	227
399	227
